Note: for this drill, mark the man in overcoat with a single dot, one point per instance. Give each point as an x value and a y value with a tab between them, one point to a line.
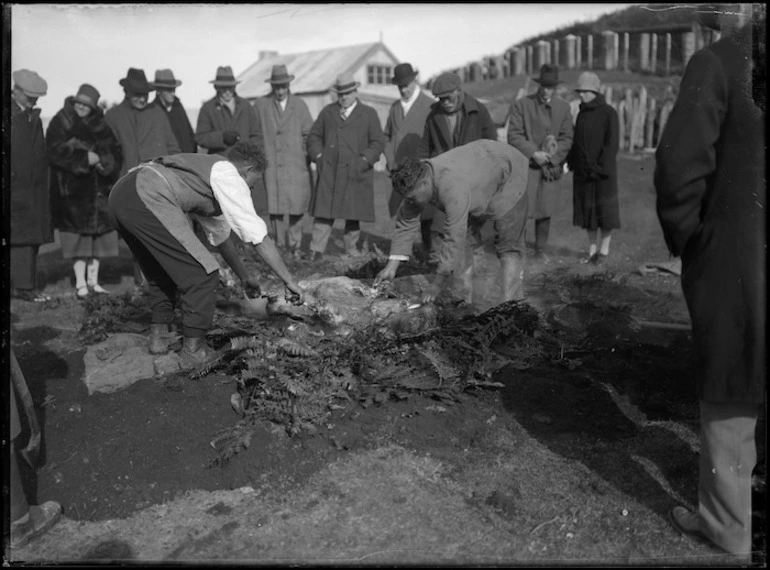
472	184
226	119
30	199
143	131
404	129
455	119
540	126
165	85
711	202
286	122
345	142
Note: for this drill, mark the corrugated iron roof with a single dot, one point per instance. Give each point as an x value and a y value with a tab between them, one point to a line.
314	71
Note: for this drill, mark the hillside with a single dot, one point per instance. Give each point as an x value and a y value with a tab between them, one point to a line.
632	18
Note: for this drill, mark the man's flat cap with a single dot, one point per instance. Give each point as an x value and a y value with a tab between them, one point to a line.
30	82
445	84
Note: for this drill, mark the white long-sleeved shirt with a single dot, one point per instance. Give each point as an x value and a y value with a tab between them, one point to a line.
238	214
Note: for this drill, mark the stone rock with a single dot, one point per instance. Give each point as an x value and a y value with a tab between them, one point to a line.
166	364
117	362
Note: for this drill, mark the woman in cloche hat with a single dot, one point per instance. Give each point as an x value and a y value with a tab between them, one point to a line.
85	159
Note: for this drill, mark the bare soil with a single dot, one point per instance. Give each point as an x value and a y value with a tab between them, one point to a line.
575	459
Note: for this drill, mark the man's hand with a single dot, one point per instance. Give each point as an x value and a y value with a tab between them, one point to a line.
251	287
388	273
294	293
541	158
93	158
230	137
433	290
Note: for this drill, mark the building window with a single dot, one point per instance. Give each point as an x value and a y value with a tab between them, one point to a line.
378	74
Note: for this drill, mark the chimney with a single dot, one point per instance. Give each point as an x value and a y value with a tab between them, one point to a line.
265	54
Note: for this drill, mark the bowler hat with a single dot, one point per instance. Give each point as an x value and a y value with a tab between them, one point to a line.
164	79
88	95
136	82
279	76
403	74
225	77
445	84
30	83
549	75
345	83
588	81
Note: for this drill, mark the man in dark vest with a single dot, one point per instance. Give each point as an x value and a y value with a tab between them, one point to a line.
165	85
150	207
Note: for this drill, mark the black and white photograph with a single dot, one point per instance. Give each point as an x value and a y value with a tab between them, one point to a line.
385	284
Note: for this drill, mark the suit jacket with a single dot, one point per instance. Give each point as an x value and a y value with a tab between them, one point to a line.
475	123
526	133
214	119
711	191
403	136
348	150
287	176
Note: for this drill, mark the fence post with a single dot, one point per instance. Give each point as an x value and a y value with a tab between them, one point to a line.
650	123
529	59
569	48
668	54
653	52
622	124
641	117
630	119
644	52
578	52
626	47
688	47
590	55
556	60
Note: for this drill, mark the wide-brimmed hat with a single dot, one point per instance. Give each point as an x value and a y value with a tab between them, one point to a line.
345	83
88	95
279	76
164	79
135	81
225	77
588	81
549	75
30	83
403	74
445	84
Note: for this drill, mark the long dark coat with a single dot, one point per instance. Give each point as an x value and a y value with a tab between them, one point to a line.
527	133
593	160
345	185
79	192
711	190
180	125
288	179
403	136
30	199
214	119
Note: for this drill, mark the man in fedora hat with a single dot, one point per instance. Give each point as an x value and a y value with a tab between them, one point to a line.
286	122
165	85
540	126
345	142
227	119
404	129
143	131
30	218
457	118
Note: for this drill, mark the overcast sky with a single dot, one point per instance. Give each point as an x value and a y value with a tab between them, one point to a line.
71	44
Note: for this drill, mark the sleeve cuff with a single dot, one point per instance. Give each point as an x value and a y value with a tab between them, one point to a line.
398	257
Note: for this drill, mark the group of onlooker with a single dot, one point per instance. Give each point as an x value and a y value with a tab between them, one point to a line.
450	176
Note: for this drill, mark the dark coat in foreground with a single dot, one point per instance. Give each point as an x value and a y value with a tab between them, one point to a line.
710	183
30	203
345	186
79	191
593	160
180	125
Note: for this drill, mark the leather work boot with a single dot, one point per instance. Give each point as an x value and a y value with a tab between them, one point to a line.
38	520
196	352
512	278
162	337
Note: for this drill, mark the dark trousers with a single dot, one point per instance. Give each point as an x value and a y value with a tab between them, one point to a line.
167	265
542	229
24	266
